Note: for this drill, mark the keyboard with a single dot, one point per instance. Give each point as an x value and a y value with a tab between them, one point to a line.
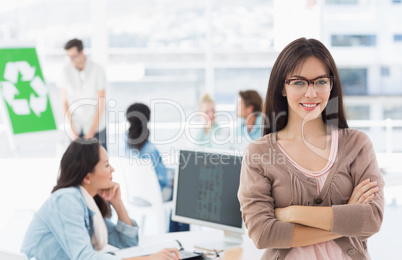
190	255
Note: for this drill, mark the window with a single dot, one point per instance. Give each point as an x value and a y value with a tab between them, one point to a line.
250	32
353	40
157	86
357	112
167	25
49	24
172	25
185	45
341	2
229	81
398	38
393	111
385	71
354	81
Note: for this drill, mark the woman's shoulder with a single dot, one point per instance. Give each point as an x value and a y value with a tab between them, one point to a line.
268	138
262	143
68	190
65	199
216	125
149	148
67	194
353	136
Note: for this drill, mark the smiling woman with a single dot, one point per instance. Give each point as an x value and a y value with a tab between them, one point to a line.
100	180
74	222
326	198
300	96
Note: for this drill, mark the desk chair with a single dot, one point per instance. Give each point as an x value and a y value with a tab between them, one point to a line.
12	256
144	196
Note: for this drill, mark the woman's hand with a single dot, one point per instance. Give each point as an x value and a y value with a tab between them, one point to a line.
364	192
112	194
283	214
165	254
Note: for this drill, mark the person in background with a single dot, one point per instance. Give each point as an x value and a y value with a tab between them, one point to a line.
249	112
83	83
137	144
310	188
74	222
211	129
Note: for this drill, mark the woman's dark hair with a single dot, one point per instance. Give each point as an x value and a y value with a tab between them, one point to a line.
78	160
138	115
290	59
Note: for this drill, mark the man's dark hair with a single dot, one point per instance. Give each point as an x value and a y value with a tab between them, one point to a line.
74	43
252	98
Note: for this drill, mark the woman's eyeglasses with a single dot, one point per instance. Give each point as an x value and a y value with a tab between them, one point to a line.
299	86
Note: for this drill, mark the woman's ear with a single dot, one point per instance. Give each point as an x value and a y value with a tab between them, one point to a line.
283	92
87	179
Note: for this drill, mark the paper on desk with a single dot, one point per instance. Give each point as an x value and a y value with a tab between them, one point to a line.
108	248
146	249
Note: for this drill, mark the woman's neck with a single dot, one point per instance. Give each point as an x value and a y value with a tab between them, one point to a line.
208	126
90	190
298	129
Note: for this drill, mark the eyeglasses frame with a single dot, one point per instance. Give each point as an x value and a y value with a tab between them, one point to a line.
312	81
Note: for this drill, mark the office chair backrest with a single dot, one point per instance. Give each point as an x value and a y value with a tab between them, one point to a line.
12	256
141	180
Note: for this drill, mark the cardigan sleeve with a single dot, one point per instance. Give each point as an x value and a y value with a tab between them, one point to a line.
358	220
257	205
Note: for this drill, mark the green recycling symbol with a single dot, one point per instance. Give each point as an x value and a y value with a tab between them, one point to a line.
24	106
24	91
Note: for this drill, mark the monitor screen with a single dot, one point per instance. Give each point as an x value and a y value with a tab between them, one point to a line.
205	190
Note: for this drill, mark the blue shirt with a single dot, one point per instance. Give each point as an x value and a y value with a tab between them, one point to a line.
62	229
205	139
256	131
149	151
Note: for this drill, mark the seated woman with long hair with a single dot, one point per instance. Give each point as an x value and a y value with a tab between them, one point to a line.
137	144
74	222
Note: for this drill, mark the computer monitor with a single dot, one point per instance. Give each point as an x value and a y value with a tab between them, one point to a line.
205	193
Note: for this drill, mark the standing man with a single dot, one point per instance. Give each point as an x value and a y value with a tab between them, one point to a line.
83	85
249	112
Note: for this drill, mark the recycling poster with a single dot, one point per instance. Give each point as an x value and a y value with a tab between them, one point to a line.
24	91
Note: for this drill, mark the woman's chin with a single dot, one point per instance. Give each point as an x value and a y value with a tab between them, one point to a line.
108	185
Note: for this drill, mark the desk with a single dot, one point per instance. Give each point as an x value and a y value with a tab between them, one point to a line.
246	252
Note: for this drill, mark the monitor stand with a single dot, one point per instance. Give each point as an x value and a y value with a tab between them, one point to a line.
231	239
